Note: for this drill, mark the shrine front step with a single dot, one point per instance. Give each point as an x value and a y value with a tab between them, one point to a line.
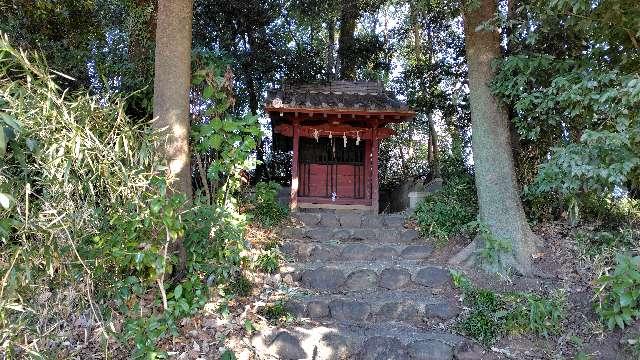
349	219
346	234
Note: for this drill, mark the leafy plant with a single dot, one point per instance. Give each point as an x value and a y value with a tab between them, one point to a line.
445	212
494	314
269	261
618	293
276	312
268	210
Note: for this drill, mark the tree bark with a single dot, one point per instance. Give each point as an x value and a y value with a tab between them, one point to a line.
331	45
171	88
500	207
171	100
348	17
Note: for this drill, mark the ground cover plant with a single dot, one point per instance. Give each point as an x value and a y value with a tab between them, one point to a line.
492	315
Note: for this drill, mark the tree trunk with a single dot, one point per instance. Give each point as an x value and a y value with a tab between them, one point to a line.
433	139
171	88
500	207
331	47
348	18
171	97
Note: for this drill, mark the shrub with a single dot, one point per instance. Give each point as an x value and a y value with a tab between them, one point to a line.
269	261
268	211
86	220
276	313
618	293
494	314
447	211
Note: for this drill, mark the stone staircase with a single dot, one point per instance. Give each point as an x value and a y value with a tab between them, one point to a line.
366	290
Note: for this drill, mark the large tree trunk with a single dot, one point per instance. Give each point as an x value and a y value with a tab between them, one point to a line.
499	201
331	48
171	97
348	18
171	88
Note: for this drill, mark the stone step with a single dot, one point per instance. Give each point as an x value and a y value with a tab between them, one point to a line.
347	251
370	235
331	276
345	340
410	306
350	220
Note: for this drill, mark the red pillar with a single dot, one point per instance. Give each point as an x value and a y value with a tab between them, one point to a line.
294	166
374	176
367	167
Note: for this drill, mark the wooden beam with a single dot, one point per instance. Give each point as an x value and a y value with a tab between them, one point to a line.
375	195
294	166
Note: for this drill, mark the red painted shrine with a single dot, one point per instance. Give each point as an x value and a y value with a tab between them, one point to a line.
335	129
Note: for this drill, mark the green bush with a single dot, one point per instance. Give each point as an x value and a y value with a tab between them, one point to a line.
269	260
493	314
276	313
618	293
85	211
446	212
268	211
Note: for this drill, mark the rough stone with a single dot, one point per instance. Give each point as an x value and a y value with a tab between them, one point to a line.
408	235
348	310
416	252
319	234
443	311
350	220
388	235
383	348
317	309
430	350
432	277
337	347
471	351
293	232
356	252
342	234
308	219
394	278
323	252
287	346
398	311
362	280
372	221
325	278
364	234
393	221
384	253
329	220
295	307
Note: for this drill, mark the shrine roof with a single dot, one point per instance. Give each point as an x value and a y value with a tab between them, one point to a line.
336	96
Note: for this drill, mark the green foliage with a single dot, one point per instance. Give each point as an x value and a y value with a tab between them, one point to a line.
600	247
618	292
267	209
240	286
493	314
223	142
446	212
276	313
269	261
85	212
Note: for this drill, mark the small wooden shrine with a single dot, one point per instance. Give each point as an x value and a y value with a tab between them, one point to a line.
335	129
